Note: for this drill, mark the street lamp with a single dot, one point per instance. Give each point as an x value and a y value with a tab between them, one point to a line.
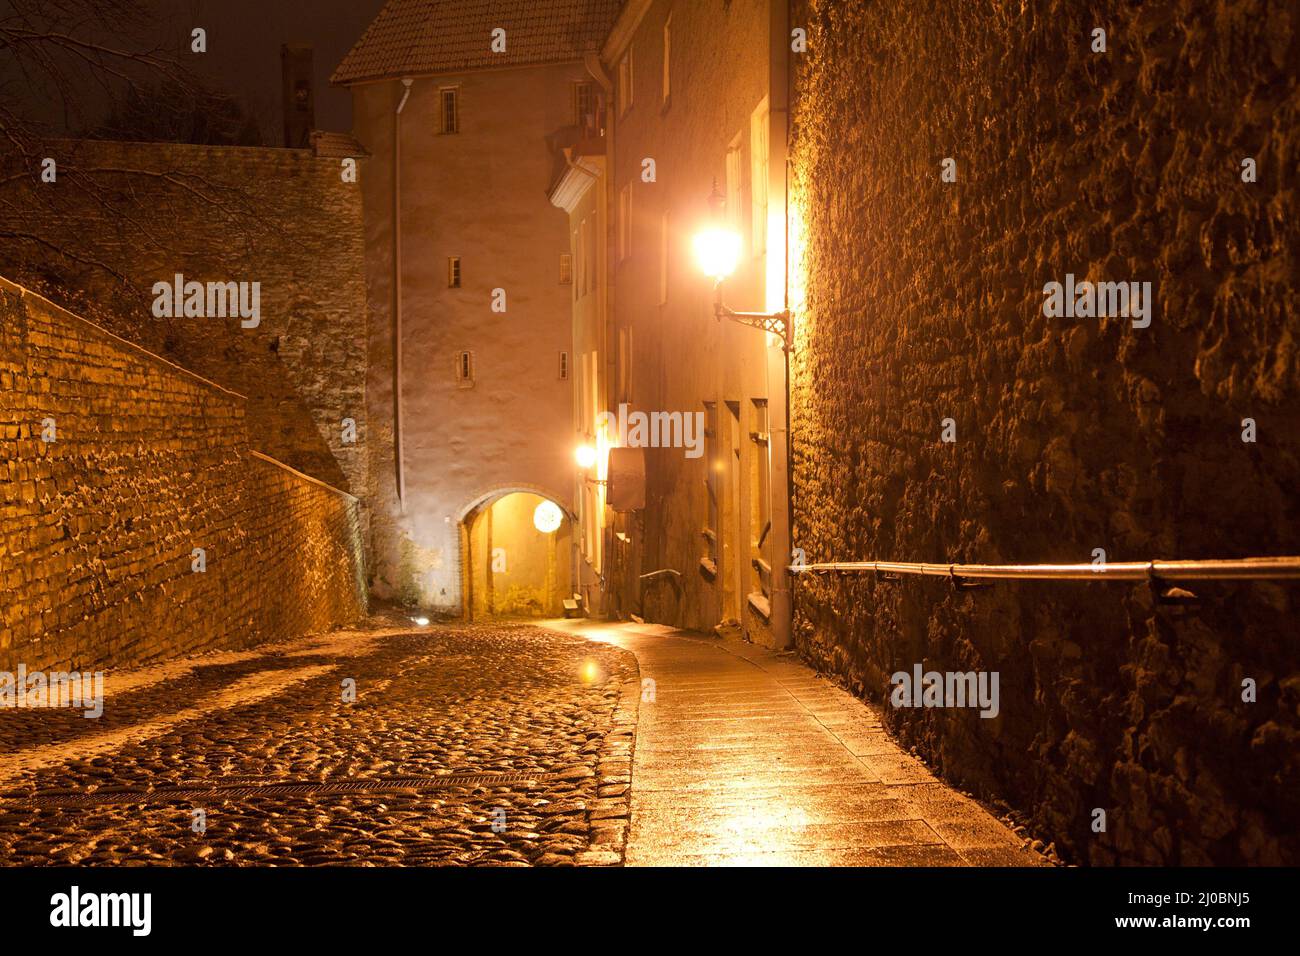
586	456
717	250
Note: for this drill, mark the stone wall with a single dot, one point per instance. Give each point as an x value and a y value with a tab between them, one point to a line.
919	300
122	216
148	462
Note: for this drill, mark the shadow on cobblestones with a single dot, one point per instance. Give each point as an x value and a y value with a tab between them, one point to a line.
439	701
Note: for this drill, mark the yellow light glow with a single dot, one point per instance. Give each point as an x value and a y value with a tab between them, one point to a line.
547	517
590	672
718	252
586	456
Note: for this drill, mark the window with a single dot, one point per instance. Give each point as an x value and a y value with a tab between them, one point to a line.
663	259
566	268
713	490
583	243
584	106
760	517
465	370
453	272
668	51
625	83
734	160
577	247
449	97
625	222
758	176
589	255
564	366
625	365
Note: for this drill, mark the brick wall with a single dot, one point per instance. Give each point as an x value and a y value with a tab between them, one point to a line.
122	216
149	462
920	300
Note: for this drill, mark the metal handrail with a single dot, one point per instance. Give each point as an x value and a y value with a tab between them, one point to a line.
1209	570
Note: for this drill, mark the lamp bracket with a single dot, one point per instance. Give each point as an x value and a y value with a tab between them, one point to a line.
777	323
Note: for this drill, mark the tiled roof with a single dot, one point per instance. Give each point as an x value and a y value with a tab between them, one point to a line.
420	37
335	145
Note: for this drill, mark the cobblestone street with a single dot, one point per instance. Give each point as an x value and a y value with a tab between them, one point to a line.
287	772
502	744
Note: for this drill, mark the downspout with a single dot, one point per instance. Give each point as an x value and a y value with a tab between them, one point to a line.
398	463
608	340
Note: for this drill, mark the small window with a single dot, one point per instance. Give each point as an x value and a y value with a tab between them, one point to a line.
625	222
564	366
734	182
453	272
758	183
450	97
668	51
465	369
566	268
625	357
584	106
760	517
625	83
713	489
588	264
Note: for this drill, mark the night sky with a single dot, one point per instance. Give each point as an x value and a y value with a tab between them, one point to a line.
243	57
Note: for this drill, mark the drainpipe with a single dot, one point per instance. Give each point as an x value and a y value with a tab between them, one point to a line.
607	339
398	462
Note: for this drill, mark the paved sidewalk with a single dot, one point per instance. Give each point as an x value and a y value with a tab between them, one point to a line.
747	757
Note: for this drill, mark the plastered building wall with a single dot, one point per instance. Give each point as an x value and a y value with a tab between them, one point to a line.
479	194
673	355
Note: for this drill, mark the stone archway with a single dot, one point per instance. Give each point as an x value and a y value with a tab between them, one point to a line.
509	568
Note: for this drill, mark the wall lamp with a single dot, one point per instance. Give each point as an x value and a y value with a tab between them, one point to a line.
717	250
586	457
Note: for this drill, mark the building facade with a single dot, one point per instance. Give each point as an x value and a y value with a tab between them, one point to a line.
465	109
693	435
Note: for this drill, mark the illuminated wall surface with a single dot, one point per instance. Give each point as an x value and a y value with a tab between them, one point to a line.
516	569
142	524
479	194
674	356
923	301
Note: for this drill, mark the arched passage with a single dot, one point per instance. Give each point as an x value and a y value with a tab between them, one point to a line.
511	567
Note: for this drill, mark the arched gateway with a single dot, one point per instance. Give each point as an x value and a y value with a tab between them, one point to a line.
516	553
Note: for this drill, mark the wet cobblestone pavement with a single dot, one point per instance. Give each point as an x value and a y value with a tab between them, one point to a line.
379	781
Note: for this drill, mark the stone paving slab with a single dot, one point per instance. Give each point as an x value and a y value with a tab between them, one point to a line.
745	757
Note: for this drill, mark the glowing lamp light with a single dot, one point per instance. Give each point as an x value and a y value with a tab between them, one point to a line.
547	517
421	621
718	252
586	456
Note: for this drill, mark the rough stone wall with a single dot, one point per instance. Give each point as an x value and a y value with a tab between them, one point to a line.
919	300
149	462
143	212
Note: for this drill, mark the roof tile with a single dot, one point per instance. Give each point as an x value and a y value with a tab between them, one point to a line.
421	37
